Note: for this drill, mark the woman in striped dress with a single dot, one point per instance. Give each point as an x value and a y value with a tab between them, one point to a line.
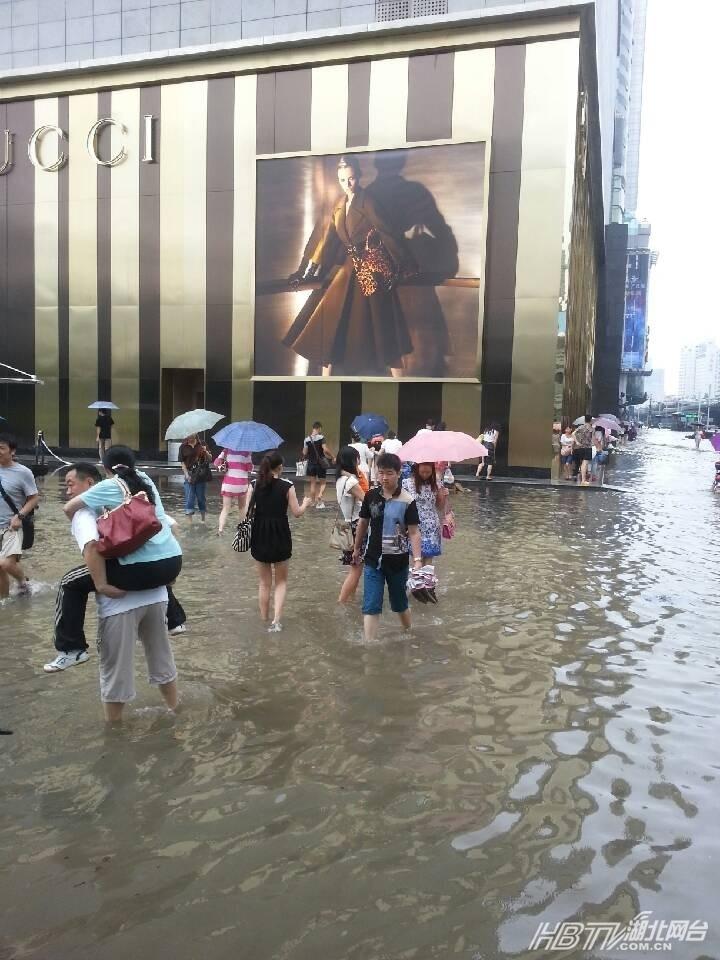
236	466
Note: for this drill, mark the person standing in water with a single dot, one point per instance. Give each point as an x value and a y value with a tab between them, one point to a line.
103	432
391	516
18	498
431	499
195	462
489	440
319	458
350	495
235	467
270	541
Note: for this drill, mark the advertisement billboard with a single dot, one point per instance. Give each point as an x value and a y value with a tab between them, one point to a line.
369	263
635	329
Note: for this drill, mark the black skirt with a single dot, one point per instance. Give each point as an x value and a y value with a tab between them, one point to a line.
270	541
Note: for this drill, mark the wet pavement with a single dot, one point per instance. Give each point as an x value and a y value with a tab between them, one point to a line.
542	746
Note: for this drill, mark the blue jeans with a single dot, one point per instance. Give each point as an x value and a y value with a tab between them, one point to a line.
374	589
193	492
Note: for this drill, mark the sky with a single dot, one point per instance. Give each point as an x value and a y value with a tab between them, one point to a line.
679	173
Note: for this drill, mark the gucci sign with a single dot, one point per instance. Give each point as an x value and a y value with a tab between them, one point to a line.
91	145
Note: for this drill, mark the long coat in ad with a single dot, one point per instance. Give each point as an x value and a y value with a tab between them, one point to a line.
355	323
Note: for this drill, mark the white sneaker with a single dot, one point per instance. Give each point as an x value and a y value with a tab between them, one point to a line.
64	660
320	505
181	628
275	627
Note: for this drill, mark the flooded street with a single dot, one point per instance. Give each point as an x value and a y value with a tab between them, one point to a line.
542	746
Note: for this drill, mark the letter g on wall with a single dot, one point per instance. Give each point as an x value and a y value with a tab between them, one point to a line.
34	146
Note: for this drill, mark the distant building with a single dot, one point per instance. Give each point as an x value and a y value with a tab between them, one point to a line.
621	340
699	371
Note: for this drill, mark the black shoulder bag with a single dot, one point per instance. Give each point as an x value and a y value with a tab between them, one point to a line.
243	535
28	521
200	471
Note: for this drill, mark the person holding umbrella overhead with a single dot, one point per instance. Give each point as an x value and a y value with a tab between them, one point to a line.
431	499
239	440
103	425
195	463
235	467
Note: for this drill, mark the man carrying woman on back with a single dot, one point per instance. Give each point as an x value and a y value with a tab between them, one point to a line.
157	563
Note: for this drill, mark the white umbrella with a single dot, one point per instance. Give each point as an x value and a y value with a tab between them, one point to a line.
194	421
103	405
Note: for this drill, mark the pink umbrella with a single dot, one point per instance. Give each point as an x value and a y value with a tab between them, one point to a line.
606	424
441	445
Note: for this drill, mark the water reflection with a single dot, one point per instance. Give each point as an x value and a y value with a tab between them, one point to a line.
542	745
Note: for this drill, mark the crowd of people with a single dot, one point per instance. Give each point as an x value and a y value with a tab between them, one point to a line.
394	517
584	449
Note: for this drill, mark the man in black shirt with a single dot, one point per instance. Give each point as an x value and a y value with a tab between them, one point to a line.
103	426
392	517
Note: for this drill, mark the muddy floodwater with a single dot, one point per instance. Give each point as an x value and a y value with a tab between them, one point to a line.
542	746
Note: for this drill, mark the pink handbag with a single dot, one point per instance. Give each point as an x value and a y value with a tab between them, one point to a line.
126	528
448	527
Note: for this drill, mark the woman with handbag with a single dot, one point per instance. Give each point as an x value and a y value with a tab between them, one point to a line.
318	458
350	496
235	467
195	462
270	538
431	498
366	458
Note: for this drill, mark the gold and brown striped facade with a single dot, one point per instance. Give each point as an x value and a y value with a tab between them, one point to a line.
112	274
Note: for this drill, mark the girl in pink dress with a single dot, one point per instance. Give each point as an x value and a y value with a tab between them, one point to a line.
236	466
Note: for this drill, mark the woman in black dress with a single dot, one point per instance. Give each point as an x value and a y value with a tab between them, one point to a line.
270	540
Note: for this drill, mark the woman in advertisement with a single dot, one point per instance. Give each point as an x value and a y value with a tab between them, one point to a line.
355	324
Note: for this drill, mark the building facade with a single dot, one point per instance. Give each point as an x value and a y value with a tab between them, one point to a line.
655	386
700	371
618	372
154	216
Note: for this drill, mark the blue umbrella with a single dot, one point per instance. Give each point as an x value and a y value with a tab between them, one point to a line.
368	425
248	435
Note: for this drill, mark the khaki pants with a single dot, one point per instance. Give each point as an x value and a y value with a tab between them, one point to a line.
116	645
